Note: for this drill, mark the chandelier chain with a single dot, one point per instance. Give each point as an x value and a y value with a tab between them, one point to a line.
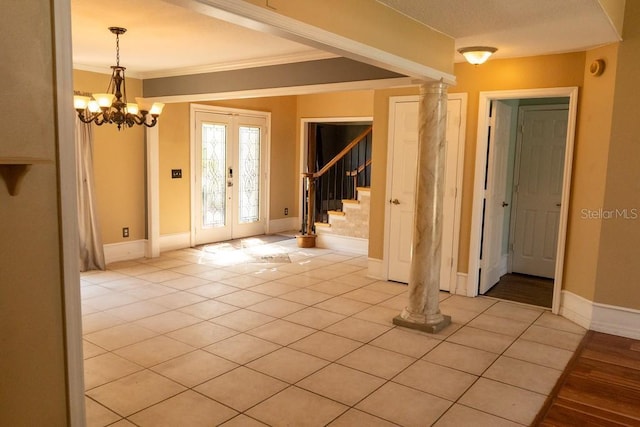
117	49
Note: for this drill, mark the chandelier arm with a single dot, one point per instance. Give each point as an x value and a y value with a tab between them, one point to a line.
153	122
83	118
139	119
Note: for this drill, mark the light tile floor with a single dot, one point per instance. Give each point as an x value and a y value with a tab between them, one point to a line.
195	339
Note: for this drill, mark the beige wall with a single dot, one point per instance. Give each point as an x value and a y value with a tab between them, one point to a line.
33	388
174	154
618	263
118	159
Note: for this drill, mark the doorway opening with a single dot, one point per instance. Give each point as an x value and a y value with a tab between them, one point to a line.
523	172
337	150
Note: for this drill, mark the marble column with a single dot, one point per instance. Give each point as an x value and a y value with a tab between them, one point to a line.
423	310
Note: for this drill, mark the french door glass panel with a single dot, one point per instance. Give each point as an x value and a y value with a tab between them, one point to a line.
249	170
214	182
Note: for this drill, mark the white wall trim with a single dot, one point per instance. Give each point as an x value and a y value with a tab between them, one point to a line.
576	308
124	251
608	319
68	212
461	284
343	243
171	242
375	269
152	142
283	224
616	320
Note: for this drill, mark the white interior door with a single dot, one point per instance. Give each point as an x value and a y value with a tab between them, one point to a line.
538	190
404	155
491	265
229	176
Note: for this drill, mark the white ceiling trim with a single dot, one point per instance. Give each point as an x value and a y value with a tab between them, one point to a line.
289	90
257	18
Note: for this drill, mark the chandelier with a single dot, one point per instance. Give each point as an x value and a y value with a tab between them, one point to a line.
112	107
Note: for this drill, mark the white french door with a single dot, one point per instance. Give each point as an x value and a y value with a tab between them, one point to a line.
229	169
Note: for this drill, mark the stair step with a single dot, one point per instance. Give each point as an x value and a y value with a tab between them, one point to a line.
336	213
350	202
363	189
322	224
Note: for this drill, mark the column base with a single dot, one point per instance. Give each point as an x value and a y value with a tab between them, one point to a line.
432	328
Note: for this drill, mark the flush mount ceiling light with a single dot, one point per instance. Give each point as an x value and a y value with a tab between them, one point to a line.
112	107
477	55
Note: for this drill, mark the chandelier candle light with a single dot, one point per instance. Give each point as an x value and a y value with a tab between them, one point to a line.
112	107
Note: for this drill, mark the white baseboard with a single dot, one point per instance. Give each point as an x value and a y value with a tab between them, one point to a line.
576	308
343	243
461	284
616	320
283	224
125	251
171	242
375	269
604	318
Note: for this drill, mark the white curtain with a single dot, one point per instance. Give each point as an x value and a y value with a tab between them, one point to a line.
91	250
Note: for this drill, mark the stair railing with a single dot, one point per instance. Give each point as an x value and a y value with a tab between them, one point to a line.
324	190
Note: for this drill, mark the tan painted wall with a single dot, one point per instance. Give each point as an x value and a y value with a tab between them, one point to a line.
32	353
118	159
589	173
175	196
174	154
618	263
362	21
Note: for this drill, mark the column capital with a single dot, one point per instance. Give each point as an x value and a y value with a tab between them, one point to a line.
435	87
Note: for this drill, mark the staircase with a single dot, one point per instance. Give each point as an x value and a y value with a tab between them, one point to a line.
352	220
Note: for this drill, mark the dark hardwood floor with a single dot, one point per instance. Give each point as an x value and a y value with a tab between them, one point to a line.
523	288
600	387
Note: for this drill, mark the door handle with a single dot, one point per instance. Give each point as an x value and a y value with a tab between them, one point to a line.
395	201
505	204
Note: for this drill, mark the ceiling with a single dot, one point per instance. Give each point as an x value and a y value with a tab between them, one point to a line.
164	39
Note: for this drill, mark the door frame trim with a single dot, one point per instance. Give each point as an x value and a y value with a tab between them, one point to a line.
193	108
453	288
485	99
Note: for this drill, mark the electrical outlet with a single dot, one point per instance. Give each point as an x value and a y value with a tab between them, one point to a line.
125	231
286	211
